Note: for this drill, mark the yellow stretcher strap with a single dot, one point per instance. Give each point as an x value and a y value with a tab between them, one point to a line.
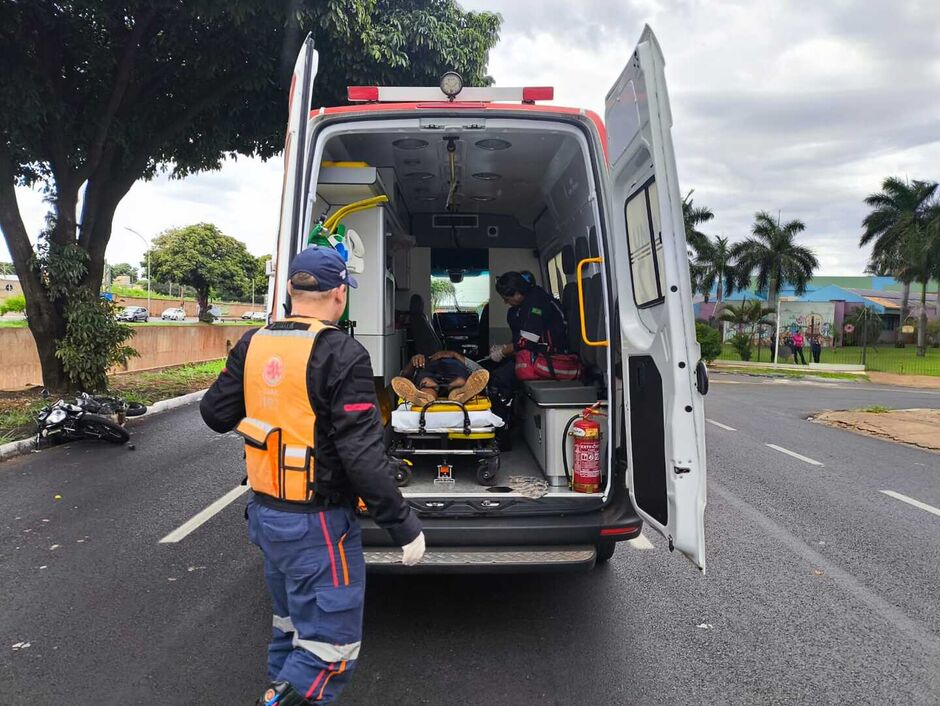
584	336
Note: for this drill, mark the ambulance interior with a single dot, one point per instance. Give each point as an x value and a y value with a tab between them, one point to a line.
465	202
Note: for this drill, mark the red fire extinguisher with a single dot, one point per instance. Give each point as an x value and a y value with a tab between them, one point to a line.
586	433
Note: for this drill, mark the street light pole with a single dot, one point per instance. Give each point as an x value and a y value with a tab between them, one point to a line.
147	244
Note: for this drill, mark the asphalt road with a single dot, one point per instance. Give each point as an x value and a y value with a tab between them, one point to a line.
820	587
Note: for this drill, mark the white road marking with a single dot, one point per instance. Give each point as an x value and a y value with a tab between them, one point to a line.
794	454
911	501
640	542
203	516
720	425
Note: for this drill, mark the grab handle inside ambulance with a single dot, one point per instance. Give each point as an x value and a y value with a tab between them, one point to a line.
584	335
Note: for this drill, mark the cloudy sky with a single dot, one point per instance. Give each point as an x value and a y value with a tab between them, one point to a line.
791	105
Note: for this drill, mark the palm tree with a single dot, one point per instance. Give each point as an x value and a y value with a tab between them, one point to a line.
748	315
920	260
899	210
694	216
772	252
714	262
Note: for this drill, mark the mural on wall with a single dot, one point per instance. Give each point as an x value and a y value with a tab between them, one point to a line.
809	318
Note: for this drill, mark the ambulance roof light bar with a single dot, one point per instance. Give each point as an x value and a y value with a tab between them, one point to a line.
422	94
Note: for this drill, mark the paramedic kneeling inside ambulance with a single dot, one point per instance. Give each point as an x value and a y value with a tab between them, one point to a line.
301	393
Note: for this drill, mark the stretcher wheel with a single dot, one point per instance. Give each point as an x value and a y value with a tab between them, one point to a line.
403	474
487	470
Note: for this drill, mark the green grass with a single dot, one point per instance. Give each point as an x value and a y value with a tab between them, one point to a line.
783	372
13	323
876	409
885	358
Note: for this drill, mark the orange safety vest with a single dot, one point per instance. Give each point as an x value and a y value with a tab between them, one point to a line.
279	422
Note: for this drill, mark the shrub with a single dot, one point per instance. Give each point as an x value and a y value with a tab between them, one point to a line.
741	342
15	303
93	343
709	340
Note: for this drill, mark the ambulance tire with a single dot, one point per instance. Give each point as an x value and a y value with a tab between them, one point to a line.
605	551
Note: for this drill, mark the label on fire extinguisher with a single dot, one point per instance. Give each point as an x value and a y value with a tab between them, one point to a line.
587	466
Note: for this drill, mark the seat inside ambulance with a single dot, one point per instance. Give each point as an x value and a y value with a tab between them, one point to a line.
465	205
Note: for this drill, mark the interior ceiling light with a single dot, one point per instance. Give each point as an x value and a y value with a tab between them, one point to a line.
419	176
493	144
487	176
410	143
483	197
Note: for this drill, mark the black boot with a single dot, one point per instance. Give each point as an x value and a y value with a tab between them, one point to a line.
281	693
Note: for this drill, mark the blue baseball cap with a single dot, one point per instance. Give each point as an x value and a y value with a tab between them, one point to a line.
325	264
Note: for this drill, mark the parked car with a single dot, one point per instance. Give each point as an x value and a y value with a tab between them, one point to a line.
133	313
255	316
174	314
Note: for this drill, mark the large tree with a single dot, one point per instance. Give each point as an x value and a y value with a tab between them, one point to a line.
899	214
202	257
96	95
124	269
773	256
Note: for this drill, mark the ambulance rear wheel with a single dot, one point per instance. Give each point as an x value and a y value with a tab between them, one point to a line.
403	474
487	470
605	552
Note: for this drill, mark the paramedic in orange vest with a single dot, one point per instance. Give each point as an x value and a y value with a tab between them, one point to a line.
300	391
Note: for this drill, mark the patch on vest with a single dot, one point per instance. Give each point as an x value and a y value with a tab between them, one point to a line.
273	371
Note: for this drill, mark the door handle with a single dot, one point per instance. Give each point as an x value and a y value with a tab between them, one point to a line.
584	336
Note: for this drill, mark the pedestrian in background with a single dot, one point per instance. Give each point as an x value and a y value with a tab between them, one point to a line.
301	393
798	343
816	347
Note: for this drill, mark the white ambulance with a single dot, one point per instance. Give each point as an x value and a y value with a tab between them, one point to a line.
480	181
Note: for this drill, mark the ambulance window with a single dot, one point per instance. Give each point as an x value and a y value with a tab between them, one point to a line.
645	245
556	279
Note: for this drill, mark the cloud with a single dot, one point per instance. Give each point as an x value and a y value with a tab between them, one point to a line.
790	105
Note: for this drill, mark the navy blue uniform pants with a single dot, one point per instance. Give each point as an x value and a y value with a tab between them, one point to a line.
315	571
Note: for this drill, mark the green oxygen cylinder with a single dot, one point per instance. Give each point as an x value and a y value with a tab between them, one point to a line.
319	235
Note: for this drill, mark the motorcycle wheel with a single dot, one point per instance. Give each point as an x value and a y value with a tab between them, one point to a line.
92	426
135	409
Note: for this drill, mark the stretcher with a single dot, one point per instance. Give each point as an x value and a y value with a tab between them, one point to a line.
442	429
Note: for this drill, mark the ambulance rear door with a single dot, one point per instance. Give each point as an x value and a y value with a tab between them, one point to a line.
292	184
663	405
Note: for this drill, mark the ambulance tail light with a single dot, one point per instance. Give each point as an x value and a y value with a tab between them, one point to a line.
362	94
537	93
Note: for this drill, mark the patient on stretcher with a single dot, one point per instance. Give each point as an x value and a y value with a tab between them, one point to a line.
446	373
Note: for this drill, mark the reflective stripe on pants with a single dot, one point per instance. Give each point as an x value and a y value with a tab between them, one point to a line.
315	572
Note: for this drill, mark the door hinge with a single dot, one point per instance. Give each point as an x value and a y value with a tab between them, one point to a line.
672	547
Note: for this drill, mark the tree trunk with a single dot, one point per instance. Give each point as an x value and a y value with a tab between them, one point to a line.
202	300
922	322
45	320
905	300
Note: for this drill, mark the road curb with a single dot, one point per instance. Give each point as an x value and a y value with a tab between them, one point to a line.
173	403
23	446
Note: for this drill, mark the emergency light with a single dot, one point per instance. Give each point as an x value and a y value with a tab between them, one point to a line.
451	86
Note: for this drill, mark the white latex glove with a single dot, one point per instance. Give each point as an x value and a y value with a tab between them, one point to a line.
412	552
496	353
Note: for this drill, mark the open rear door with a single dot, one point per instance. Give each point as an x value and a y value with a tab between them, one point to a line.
292	185
663	407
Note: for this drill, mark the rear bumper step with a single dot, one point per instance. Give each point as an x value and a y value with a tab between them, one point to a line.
486	559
